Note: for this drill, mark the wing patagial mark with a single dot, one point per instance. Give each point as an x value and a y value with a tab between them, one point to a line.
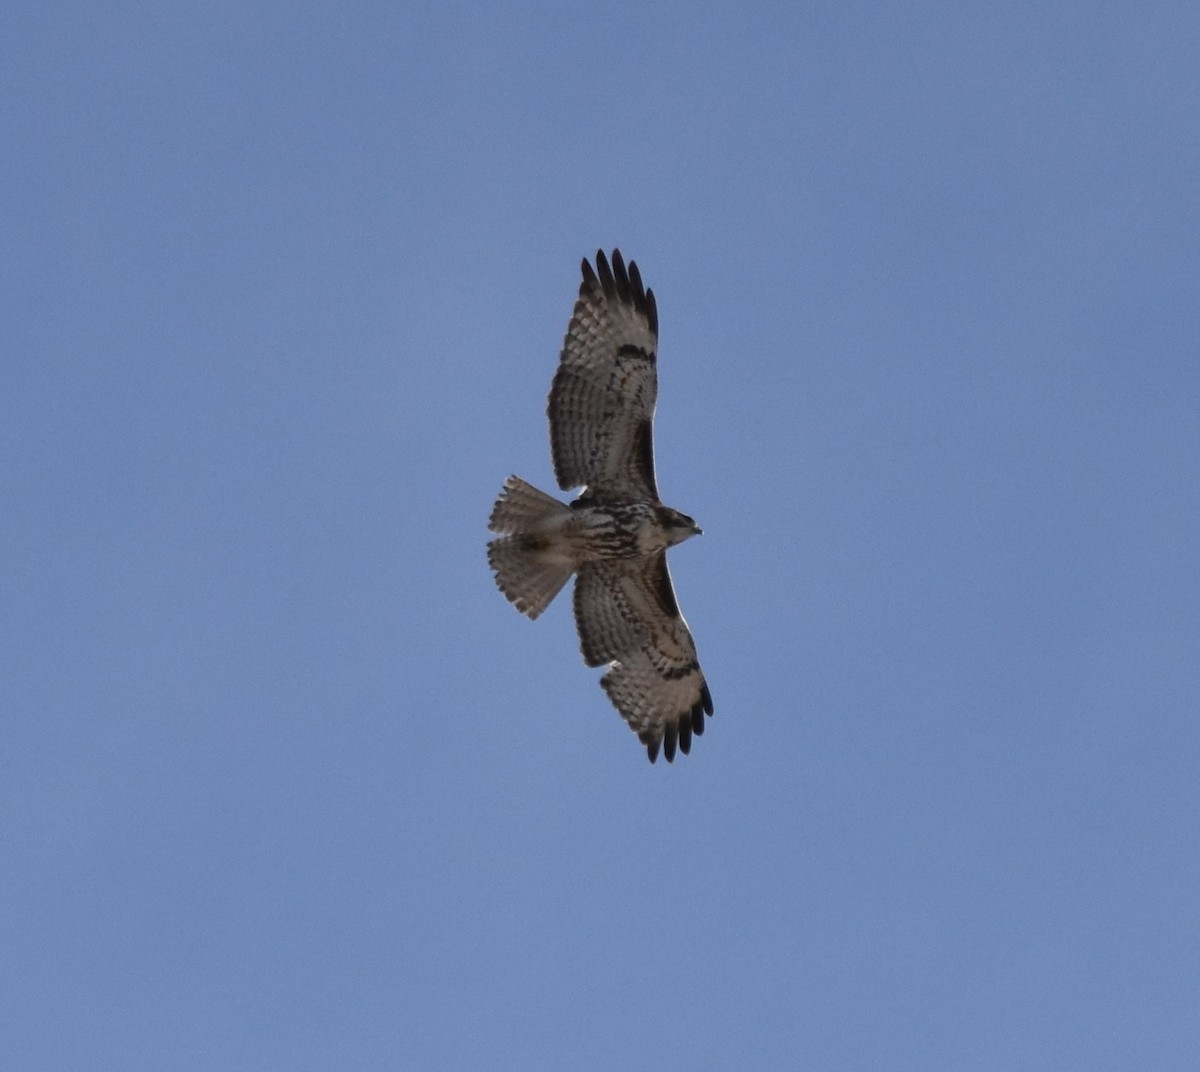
658	577
643	454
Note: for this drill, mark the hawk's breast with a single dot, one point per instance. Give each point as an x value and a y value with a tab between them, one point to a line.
619	530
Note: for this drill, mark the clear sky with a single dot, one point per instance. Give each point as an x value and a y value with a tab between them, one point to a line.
286	784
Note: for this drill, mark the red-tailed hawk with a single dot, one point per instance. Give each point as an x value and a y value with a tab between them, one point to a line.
615	535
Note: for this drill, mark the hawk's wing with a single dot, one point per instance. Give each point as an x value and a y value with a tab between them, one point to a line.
627	616
602	400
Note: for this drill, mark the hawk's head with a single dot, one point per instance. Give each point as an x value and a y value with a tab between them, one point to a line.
677	526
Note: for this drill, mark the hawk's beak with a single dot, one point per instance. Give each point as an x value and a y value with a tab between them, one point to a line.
698	530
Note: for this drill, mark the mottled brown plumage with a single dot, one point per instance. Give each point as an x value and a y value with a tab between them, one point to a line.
614	536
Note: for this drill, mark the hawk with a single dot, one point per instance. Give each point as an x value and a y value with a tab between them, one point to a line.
614	537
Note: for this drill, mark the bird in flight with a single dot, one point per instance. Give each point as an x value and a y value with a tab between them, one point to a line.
614	536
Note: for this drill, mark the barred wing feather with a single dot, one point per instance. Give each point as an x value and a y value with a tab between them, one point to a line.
602	400
627	617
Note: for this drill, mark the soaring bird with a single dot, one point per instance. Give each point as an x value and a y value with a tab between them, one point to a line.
614	536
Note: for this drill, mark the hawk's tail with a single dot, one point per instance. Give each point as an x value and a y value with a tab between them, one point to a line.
530	562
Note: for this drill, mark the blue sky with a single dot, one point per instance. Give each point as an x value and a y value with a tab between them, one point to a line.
285	782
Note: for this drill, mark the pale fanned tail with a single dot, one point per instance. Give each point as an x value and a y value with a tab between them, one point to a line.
531	566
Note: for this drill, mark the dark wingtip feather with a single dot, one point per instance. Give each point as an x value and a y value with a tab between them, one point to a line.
605	273
652	749
643	299
685	736
621	278
590	282
706	699
670	740
635	284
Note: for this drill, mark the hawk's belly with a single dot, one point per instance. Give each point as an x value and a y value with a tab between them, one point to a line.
625	530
